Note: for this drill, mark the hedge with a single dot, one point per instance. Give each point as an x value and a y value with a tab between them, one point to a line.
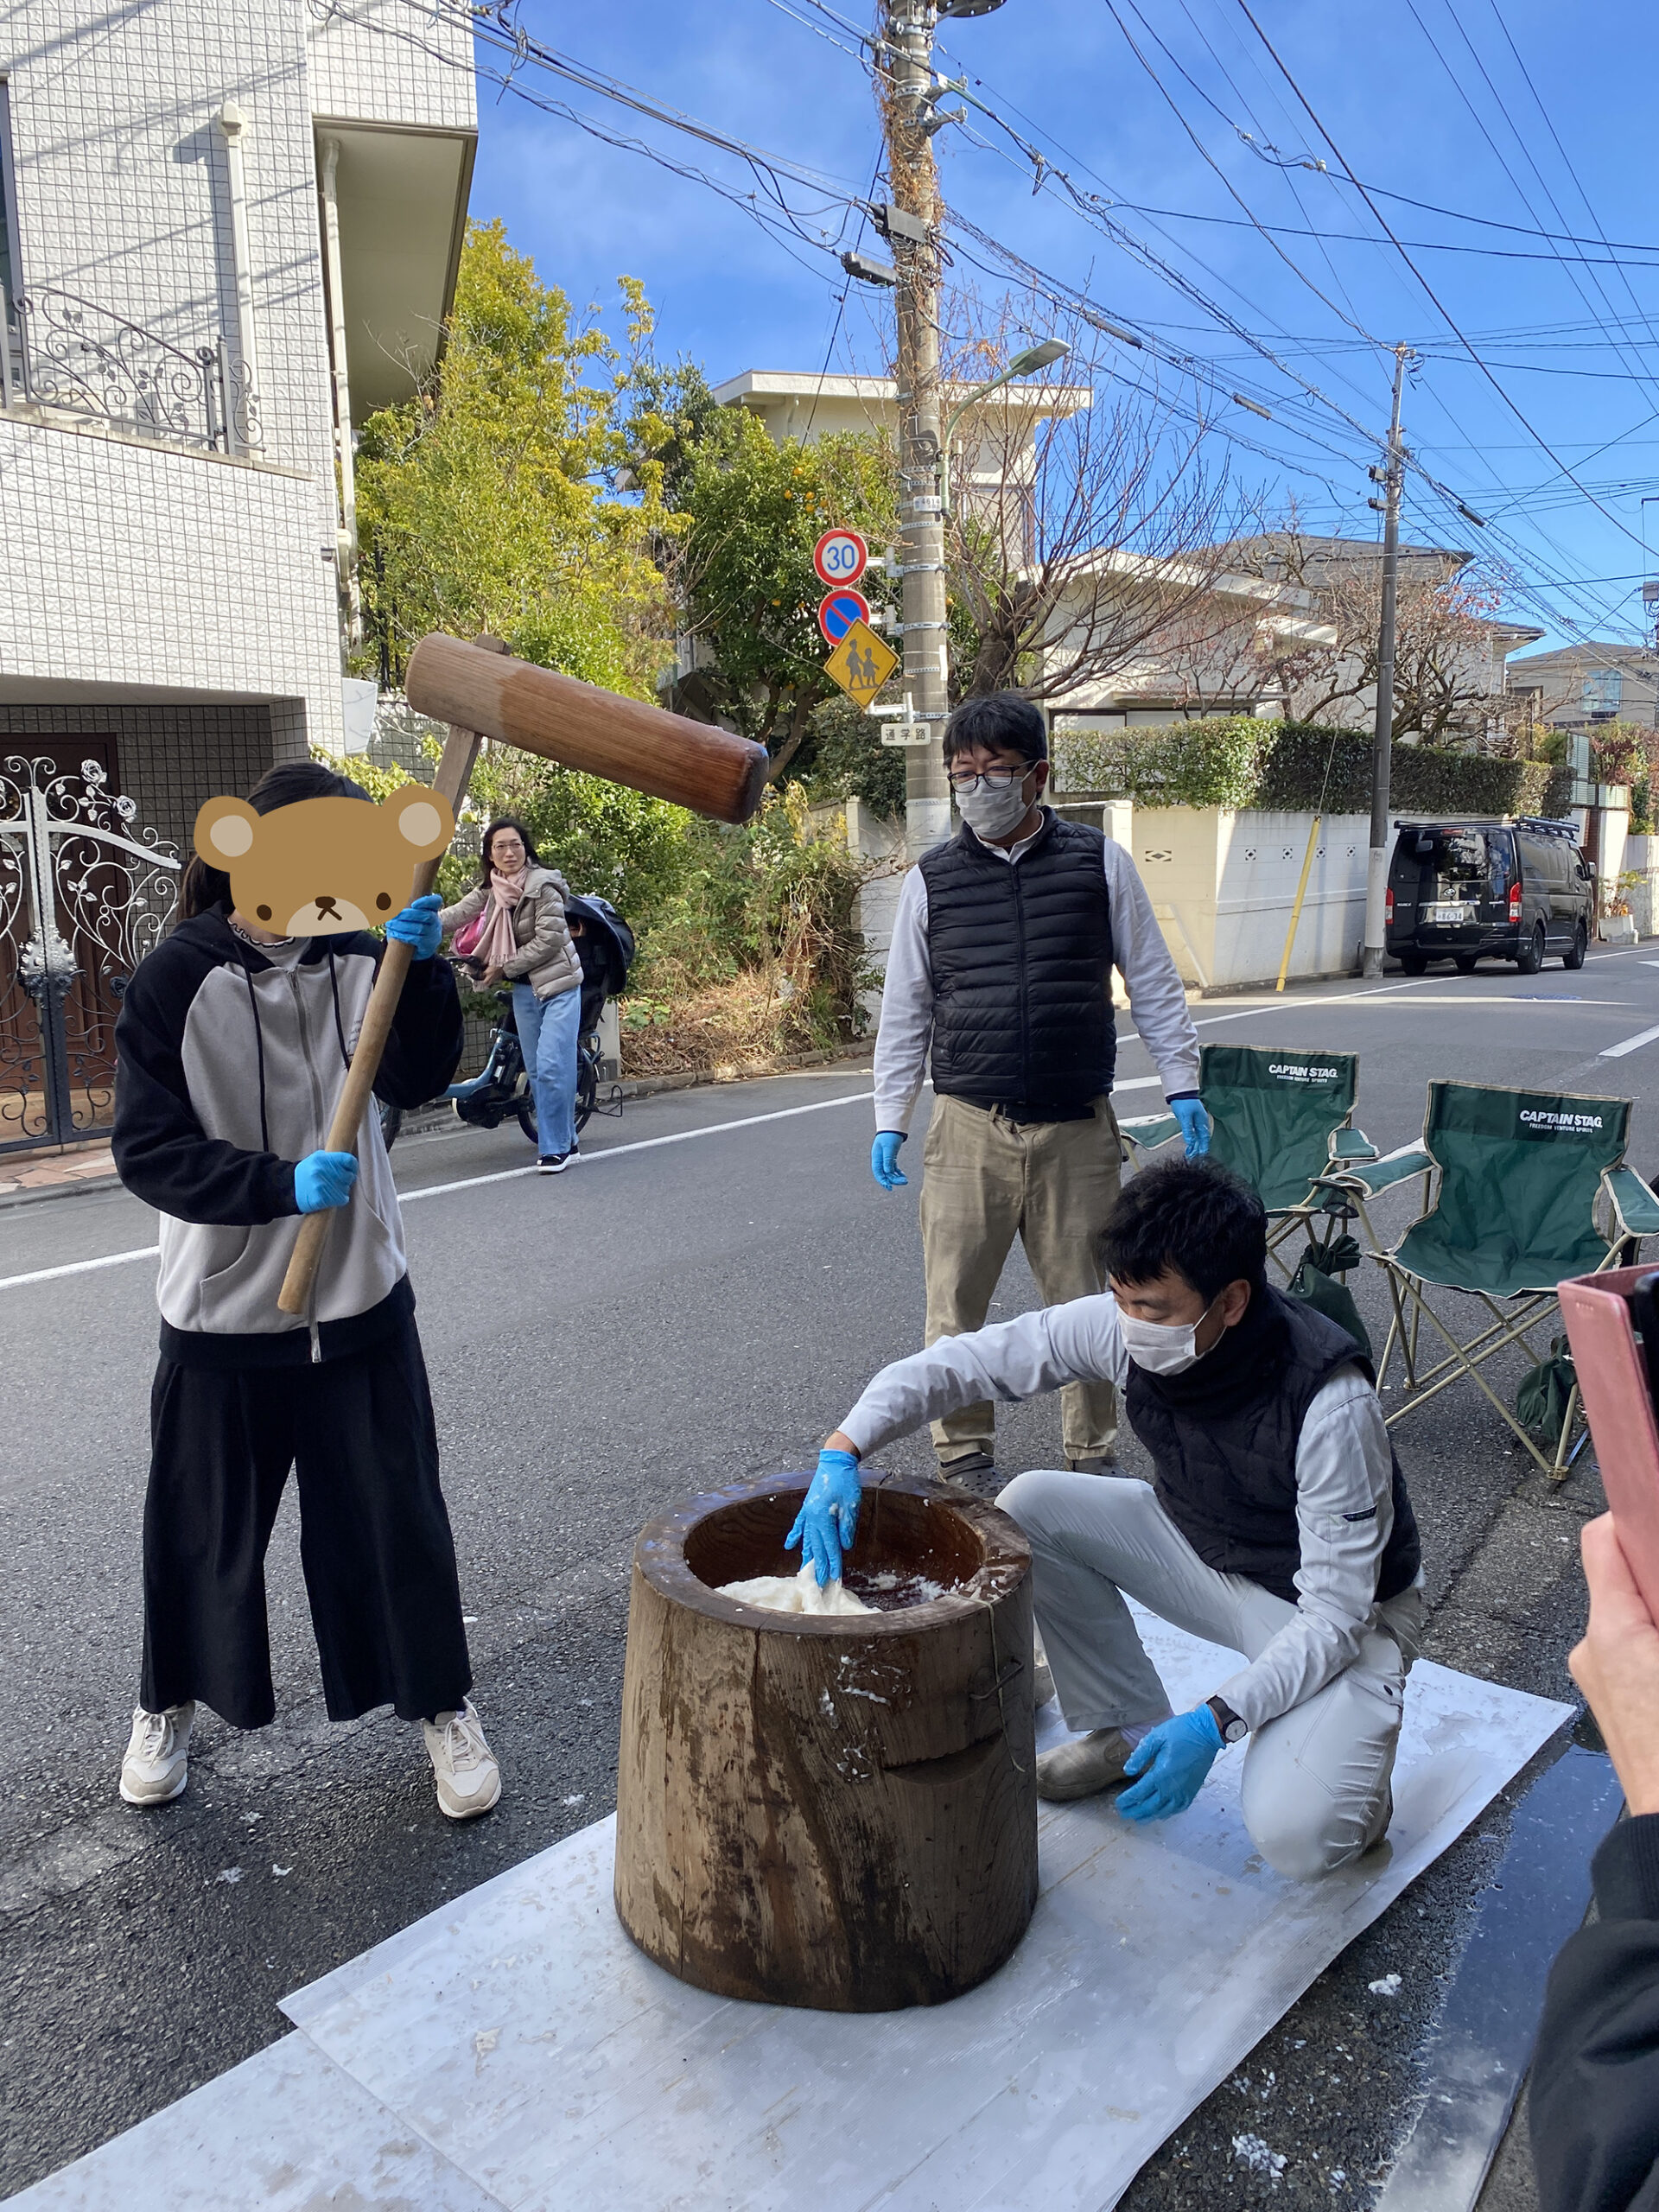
1238	760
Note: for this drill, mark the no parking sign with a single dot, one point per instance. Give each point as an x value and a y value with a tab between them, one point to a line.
838	613
840	557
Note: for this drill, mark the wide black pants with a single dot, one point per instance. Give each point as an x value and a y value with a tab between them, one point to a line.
374	1536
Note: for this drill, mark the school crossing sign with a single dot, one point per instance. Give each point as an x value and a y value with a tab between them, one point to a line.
861	663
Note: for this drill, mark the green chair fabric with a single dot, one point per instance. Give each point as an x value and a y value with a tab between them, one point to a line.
1273	1114
1374	1176
1147	1131
1520	1172
1637	1208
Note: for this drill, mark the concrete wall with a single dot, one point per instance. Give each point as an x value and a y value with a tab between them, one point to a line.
133	562
168	757
1223	883
379	61
1642	860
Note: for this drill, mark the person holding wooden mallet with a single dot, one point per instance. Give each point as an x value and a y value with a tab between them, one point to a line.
248	1044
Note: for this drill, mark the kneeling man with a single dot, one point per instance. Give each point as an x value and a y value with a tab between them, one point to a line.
1276	1524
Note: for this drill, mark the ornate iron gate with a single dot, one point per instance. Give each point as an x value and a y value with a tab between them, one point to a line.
83	898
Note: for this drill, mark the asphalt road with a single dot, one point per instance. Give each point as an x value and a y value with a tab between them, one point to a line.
666	1316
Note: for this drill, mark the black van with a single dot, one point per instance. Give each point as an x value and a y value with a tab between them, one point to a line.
1488	891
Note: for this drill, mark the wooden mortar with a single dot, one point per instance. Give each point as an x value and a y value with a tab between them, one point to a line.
837	1812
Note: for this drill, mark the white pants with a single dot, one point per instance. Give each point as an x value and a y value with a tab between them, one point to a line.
1315	1788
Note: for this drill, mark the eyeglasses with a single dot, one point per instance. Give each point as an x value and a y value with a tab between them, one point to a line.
991	779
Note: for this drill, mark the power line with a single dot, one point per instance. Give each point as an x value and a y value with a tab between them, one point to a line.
1205	154
1439	307
772	208
1637	371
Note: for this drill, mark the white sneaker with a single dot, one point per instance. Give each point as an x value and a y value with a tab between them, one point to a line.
157	1765
469	1781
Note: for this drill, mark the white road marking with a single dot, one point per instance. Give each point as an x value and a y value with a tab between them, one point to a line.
1511	998
1281	1006
80	1267
472	1182
1629	1045
641	1144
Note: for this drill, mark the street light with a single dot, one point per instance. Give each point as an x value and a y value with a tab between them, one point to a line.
1040	356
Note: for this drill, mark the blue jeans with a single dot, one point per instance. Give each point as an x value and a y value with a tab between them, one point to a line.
548	1029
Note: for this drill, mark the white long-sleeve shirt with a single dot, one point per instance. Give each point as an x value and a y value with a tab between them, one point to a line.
1344	1488
1157	1000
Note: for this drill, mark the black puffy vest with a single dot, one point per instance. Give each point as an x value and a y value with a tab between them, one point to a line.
1226	1475
1021	956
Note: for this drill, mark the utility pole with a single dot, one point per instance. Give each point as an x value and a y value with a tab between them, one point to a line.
907	113
1376	880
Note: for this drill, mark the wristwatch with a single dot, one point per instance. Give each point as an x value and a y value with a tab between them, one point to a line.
1233	1730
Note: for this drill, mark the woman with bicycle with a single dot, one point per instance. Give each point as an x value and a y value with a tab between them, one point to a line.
511	928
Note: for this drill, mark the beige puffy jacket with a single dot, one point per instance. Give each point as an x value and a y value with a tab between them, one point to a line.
546	959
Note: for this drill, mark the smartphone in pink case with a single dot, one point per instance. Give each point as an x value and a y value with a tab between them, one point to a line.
1619	1371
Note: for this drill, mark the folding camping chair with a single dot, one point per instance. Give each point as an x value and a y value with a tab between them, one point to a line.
1282	1120
1511	1185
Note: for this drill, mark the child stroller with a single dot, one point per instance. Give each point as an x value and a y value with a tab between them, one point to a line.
605	946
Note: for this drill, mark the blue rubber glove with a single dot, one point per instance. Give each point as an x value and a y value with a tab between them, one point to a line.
324	1179
1172	1761
417	926
1195	1126
884	1160
828	1520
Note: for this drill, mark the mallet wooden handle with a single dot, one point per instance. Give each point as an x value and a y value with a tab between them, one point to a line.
454	772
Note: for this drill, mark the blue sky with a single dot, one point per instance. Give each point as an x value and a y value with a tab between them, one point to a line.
1533	116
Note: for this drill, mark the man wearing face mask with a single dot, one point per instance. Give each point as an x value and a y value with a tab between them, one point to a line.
1001	964
1277	1524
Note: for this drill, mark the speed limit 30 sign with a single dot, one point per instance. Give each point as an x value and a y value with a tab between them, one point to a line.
840	557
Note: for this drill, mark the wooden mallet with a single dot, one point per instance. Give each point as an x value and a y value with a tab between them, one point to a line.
481	691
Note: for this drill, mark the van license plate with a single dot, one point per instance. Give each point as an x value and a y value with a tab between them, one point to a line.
1448	914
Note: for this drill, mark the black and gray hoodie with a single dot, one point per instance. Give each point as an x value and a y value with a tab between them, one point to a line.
231	1058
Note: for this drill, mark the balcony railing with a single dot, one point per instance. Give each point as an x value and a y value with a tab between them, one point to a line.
60	351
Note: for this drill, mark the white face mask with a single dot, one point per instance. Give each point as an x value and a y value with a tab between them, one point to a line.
1163	1347
994	814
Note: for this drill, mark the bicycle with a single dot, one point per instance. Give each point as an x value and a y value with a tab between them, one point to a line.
502	1086
605	946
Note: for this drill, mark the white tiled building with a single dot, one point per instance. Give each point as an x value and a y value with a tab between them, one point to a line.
279	186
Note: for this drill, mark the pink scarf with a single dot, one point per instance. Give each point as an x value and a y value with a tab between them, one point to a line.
497	943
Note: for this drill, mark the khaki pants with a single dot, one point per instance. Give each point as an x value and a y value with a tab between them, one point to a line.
986	1179
1315	1790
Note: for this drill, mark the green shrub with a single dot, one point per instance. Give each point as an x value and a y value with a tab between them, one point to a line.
846	758
1243	761
1558	793
767	897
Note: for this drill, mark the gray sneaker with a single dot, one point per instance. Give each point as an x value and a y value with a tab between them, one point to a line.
967	1468
1083	1767
157	1765
1042	1677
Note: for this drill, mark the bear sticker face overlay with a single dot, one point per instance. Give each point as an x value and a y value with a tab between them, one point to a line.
324	866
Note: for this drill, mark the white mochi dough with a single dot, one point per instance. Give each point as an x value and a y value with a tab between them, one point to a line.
794	1594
